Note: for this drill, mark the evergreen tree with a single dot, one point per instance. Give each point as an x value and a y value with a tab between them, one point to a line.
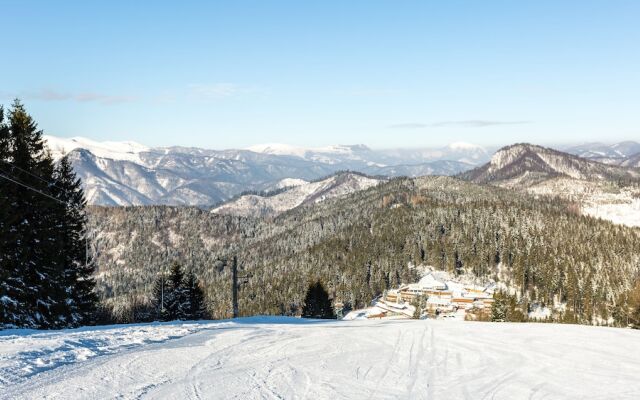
160	290
177	301
8	300
45	282
317	303
78	268
32	280
195	307
631	307
506	309
419	303
499	309
176	296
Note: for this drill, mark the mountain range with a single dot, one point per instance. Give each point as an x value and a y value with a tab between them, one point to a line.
609	192
625	153
277	177
128	173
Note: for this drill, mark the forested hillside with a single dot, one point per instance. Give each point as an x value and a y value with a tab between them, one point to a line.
362	244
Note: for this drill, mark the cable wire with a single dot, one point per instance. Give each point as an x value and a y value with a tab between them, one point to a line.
52	183
31	188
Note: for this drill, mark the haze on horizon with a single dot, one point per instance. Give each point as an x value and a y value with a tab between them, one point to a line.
384	74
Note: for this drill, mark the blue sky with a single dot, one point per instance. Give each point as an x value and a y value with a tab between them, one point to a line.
383	73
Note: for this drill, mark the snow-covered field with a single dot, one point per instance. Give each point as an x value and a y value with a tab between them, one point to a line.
291	358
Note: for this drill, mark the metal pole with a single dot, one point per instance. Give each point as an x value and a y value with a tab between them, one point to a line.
162	292
234	287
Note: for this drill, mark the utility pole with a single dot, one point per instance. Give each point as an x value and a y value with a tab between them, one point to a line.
234	286
236	281
162	292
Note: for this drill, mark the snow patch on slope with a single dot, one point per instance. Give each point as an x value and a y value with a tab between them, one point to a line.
604	200
290	150
114	150
26	352
287	182
313	192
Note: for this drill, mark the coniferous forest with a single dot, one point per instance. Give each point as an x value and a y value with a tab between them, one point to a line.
65	264
363	244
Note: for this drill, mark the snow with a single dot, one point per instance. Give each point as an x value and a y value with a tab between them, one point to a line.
431	283
113	150
128	173
622	213
280	149
25	352
287	183
597	199
539	312
278	357
310	192
458	146
290	150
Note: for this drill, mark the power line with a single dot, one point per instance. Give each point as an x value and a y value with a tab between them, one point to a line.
53	183
31	188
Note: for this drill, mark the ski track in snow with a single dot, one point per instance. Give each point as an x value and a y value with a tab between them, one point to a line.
287	358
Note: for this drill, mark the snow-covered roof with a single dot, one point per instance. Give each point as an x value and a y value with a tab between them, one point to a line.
430	282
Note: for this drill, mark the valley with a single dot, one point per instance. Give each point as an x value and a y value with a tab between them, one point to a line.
365	243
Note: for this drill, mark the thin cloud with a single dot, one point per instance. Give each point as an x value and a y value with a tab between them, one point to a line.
217	90
82	97
409	125
476	123
369	92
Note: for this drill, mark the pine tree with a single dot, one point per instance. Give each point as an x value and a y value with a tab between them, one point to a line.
177	299
8	301
633	307
419	303
317	303
77	267
195	307
33	280
499	309
160	290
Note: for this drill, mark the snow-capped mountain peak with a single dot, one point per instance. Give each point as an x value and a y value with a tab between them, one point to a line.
128	173
303	152
126	150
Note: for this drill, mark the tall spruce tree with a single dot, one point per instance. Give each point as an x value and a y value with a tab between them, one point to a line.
30	247
317	303
77	267
8	299
195	306
41	223
177	301
160	290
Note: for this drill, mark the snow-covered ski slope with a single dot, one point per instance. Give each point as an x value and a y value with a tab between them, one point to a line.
287	358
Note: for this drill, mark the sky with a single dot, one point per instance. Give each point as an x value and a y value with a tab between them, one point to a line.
382	73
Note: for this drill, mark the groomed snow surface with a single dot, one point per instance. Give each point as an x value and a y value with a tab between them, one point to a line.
288	358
